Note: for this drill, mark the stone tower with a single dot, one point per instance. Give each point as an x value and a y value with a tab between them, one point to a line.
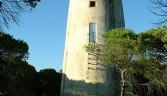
83	74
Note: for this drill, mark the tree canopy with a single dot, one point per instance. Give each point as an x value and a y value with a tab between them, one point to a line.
17	77
159	8
49	82
10	11
12	48
139	58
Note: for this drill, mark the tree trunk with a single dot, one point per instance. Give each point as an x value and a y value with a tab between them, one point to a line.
123	82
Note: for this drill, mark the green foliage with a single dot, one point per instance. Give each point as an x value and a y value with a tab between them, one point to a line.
18	78
10	11
49	82
141	55
16	75
120	47
158	8
92	48
10	47
31	3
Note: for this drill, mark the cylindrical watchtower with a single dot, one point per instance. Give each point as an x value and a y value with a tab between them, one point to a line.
83	75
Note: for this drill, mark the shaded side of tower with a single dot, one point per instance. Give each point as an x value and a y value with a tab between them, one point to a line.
83	73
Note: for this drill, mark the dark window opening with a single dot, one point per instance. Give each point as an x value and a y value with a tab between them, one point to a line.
92	4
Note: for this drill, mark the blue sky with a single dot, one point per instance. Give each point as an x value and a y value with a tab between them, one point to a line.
44	29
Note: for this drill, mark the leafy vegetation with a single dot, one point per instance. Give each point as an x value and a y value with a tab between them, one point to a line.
10	11
159	9
49	82
139	58
17	77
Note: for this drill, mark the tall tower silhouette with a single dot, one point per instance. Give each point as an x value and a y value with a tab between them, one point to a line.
83	73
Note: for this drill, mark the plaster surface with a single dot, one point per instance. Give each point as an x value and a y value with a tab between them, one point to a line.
83	73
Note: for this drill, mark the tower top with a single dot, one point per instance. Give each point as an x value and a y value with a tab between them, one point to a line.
111	9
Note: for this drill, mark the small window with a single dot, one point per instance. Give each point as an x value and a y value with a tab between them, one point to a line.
92	32
92	4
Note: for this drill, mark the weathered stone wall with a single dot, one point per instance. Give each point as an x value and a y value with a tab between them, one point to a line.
81	75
